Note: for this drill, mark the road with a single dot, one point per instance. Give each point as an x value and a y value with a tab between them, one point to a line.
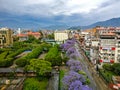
96	82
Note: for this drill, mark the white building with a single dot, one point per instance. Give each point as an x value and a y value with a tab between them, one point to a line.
61	36
94	44
109	49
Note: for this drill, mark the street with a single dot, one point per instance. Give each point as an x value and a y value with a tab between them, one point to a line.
96	82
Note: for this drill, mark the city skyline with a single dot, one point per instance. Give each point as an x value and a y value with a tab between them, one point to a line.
54	12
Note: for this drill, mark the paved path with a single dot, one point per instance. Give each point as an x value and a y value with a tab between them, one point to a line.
53	81
42	56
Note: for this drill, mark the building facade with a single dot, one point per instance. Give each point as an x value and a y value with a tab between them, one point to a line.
61	35
109	49
6	38
23	36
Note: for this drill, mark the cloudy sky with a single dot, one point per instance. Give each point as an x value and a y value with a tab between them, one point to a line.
52	12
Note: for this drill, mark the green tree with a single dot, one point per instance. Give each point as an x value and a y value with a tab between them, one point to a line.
41	67
116	68
108	67
54	56
41	34
32	39
51	36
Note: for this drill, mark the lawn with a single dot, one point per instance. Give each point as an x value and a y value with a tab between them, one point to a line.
62	73
43	84
35	84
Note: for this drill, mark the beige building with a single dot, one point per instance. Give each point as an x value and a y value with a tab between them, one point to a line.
6	38
61	35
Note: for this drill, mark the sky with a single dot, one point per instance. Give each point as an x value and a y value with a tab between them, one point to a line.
57	12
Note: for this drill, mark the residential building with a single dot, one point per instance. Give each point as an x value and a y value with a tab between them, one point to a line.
109	44
25	35
6	38
61	35
94	43
77	36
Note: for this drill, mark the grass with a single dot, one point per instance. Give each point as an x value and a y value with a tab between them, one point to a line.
35	84
43	84
62	73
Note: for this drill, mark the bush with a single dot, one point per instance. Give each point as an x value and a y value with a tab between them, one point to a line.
54	56
31	84
3	55
21	62
13	54
108	67
6	62
116	68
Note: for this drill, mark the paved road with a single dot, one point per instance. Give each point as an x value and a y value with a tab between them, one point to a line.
85	68
96	82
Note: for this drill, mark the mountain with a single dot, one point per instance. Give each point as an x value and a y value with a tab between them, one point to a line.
57	27
115	22
34	25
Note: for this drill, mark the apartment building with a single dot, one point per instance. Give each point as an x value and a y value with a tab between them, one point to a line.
6	38
94	43
61	35
109	49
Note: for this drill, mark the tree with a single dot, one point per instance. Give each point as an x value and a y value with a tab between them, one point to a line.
51	36
40	31
116	68
40	66
54	56
108	67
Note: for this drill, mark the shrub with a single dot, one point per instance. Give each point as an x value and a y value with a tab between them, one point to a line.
21	62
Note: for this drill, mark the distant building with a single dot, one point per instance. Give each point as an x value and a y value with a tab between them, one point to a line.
6	38
37	35
61	35
77	36
24	36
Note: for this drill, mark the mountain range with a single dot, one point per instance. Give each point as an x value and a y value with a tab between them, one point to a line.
115	22
12	23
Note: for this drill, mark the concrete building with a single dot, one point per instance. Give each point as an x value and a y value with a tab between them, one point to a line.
6	38
77	36
61	35
94	50
109	49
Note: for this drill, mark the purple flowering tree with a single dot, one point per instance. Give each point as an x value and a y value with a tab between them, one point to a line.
74	56
73	80
68	44
77	85
70	51
72	77
73	62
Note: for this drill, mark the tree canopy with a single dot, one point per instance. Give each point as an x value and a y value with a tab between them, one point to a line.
40	66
